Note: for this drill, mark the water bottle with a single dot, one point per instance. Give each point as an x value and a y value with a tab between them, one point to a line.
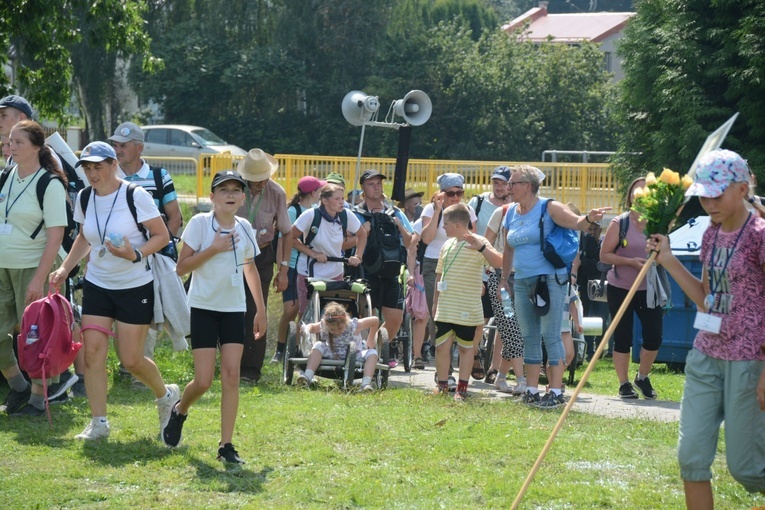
33	335
117	240
507	303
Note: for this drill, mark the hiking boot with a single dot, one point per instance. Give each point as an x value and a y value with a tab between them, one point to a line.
550	401
15	400
502	386
171	436
78	390
30	410
519	389
94	431
645	388
278	357
65	381
627	391
165	406
530	398
460	396
226	453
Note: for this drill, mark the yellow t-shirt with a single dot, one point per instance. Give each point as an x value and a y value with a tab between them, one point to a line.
20	210
462	269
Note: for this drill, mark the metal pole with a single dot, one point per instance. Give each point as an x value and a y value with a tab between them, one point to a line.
358	160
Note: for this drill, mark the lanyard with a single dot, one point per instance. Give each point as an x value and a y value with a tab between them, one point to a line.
9	205
102	237
257	207
236	259
446	257
712	287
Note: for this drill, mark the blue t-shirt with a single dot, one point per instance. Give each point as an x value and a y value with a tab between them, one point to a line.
523	236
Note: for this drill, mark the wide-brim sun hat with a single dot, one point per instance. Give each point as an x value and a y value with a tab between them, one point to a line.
715	171
257	166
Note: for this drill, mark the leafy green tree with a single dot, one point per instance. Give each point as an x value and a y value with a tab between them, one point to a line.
689	66
40	37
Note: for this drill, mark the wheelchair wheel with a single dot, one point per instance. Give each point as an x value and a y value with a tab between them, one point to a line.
349	367
383	349
406	343
288	368
489	337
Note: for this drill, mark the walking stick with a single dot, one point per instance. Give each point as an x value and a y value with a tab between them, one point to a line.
585	376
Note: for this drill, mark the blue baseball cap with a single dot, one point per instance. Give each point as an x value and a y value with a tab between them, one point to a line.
17	102
502	173
96	152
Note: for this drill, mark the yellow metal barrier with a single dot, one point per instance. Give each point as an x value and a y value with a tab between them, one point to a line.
586	185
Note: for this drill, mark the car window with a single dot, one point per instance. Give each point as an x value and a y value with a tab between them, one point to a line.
209	138
180	138
156	135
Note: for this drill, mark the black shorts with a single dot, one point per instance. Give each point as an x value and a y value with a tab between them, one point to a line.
385	292
464	334
488	311
131	306
209	329
290	293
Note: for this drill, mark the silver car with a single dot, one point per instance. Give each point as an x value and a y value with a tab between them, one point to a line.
181	141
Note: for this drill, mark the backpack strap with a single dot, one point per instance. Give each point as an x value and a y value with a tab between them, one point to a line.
42	186
479	202
160	193
624	225
542	225
5	174
85	199
314	227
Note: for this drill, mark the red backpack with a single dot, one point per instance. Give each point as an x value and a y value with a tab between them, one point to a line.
54	351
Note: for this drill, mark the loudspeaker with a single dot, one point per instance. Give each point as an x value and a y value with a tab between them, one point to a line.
415	108
359	107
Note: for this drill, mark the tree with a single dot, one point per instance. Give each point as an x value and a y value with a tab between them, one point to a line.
690	65
41	38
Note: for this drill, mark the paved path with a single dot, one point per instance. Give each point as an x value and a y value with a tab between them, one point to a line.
611	406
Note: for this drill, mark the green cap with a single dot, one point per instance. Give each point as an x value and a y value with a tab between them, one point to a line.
335	178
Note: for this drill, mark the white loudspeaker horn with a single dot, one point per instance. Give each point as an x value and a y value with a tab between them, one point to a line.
359	107
415	108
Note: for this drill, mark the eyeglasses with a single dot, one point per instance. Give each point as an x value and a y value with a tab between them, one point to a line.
513	183
457	193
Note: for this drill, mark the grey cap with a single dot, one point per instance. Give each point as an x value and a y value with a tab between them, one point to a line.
126	132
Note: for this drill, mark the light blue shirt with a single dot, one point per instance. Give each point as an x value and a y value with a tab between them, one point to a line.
523	237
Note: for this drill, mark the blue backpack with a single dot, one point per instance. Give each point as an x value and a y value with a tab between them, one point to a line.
560	246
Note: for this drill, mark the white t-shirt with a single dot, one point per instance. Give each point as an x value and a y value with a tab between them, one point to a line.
110	214
434	248
484	214
218	284
496	224
328	240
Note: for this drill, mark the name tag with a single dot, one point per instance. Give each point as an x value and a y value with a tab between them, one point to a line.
236	279
6	229
441	286
707	322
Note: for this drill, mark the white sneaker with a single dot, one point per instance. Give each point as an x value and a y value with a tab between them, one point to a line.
165	406
520	389
502	386
367	388
94	431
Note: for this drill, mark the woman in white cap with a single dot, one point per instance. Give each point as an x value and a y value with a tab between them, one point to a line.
118	286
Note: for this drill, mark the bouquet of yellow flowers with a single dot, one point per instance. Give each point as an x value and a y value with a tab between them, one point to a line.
659	202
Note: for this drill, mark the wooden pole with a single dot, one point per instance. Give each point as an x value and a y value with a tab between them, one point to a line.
585	376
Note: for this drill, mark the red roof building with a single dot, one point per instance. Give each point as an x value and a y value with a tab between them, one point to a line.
604	28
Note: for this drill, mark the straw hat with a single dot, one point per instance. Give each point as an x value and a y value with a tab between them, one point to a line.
257	166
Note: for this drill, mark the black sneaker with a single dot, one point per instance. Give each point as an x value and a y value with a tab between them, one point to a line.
425	352
65	381
61	399
550	401
226	453
627	391
29	410
15	400
171	436
78	390
531	398
278	357
645	388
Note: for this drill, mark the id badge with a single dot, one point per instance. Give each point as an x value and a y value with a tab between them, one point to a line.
441	286
707	322
6	229
236	279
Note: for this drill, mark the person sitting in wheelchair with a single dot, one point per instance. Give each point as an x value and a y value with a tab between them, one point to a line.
337	333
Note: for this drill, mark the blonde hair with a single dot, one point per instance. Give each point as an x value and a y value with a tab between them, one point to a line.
332	312
457	213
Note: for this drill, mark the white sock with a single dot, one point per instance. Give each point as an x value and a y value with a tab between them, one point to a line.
309	374
501	377
533	391
520	379
365	381
640	376
556	391
99	420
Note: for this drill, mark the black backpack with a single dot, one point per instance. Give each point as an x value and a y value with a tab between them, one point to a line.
71	229
384	253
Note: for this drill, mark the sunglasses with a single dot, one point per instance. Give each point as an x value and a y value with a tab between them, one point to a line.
511	183
452	194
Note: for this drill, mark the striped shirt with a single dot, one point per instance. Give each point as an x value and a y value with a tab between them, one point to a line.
461	268
145	179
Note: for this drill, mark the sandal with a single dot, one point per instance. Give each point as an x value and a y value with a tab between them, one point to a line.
491	376
418	364
477	372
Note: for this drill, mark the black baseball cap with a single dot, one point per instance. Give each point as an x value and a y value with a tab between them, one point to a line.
227	175
368	174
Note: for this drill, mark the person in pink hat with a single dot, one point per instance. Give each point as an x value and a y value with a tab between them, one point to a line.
722	369
306	197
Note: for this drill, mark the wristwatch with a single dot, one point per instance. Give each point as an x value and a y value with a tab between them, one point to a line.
483	247
138	257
